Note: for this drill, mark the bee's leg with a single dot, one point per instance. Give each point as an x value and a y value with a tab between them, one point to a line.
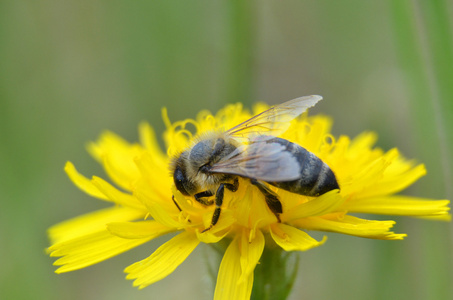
218	203
176	203
271	198
232	186
204	194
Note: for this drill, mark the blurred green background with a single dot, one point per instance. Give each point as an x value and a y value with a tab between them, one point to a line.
70	69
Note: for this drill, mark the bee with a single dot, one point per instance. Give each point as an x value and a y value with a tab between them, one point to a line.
252	150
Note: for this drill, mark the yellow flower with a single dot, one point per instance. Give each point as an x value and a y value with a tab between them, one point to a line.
143	208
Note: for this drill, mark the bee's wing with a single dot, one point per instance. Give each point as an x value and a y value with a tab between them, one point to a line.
261	160
276	119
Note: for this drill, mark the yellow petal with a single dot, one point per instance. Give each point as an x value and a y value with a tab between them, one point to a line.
400	205
117	156
82	182
321	205
219	231
159	213
251	250
121	173
90	249
393	181
91	222
187	204
445	218
371	172
228	286
156	181
365	140
163	261
250	208
351	225
138	230
117	196
149	141
293	239
177	137
312	133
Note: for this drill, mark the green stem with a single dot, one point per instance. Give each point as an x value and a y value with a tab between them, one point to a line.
275	275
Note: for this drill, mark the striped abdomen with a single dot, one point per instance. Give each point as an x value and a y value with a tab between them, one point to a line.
316	178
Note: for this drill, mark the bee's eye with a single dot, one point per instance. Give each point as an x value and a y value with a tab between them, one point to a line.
180	181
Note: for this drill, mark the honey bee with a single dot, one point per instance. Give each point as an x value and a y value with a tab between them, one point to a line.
253	151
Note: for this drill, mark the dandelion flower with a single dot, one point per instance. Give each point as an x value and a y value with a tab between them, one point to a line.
143	208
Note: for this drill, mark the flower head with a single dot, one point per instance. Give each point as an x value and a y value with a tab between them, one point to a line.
146	204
